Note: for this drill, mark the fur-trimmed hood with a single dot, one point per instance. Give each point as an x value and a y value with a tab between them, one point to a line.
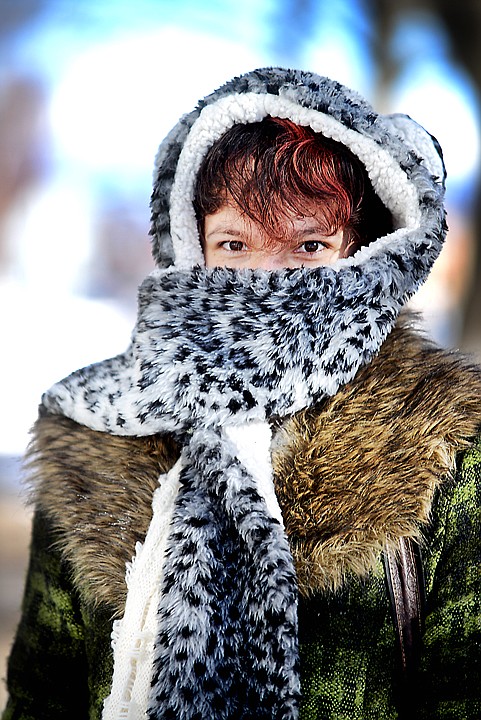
403	161
352	476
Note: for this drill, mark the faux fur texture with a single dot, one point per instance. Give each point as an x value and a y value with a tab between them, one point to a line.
227	645
362	472
219	347
324	104
352	475
98	490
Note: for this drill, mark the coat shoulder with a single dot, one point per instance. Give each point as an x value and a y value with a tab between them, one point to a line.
96	490
358	472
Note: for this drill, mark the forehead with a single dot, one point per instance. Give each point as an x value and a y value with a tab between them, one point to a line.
230	217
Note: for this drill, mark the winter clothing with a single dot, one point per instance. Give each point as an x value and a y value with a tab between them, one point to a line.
264	432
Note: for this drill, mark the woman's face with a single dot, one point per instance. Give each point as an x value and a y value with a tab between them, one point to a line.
235	241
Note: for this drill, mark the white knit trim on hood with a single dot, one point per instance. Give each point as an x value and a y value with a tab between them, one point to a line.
388	179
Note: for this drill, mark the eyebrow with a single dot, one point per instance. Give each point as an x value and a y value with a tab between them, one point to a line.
313	230
304	233
297	236
224	231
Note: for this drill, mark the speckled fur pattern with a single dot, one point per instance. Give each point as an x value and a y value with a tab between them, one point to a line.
352	474
228	609
222	346
310	91
264	343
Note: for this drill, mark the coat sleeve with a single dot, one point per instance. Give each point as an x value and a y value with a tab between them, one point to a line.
451	665
47	668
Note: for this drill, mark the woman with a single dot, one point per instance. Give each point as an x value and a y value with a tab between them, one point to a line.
271	441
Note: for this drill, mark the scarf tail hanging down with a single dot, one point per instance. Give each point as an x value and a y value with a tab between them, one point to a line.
226	625
235	350
227	642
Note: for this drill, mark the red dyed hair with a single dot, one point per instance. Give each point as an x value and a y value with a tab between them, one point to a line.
275	168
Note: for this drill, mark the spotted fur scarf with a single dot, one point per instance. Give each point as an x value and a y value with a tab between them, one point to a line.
216	355
216	352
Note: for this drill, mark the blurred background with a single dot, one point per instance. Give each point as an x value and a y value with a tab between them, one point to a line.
88	88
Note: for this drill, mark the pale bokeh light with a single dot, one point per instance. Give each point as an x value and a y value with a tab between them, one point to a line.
111	106
443	104
117	100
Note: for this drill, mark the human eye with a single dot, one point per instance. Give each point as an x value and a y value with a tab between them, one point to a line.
314	248
234	246
311	247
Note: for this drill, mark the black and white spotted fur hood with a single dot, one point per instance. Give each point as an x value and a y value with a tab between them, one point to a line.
403	161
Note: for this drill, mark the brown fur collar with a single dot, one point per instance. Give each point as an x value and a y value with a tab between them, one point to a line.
351	476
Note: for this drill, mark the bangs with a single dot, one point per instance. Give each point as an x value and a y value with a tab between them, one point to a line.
274	169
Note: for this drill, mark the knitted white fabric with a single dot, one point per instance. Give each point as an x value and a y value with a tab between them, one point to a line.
133	636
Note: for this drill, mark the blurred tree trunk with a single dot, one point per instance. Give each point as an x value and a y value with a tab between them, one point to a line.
462	22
